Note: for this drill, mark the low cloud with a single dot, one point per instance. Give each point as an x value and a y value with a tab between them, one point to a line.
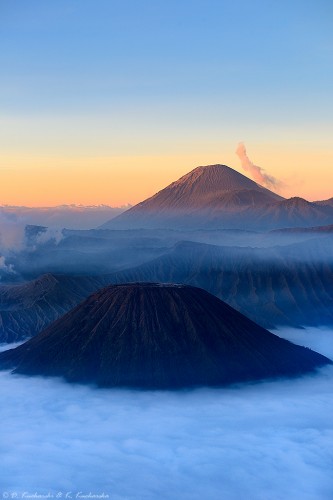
4	267
257	173
69	216
318	339
12	232
270	440
49	234
14	240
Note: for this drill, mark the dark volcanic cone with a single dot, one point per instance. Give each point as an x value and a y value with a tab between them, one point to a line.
158	336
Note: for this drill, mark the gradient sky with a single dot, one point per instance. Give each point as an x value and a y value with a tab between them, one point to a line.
105	101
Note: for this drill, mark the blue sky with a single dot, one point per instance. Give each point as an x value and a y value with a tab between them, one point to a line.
88	56
130	77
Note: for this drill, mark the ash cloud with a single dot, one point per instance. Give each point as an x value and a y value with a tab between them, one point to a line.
270	440
257	173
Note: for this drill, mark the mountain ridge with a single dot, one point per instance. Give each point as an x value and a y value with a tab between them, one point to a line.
27	308
276	286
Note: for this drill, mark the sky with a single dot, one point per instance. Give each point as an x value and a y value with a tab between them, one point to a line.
270	440
107	102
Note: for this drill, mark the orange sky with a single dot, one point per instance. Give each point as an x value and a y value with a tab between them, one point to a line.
47	181
109	104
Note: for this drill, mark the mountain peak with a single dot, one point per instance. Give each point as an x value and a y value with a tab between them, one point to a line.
200	197
214	179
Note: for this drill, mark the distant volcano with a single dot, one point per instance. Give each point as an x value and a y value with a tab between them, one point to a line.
158	336
216	196
202	196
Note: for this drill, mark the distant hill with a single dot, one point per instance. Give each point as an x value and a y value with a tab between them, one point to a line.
158	337
295	212
25	309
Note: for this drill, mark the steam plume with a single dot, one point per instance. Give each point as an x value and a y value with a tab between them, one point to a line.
257	173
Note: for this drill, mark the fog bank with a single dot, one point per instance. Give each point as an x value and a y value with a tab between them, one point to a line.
272	440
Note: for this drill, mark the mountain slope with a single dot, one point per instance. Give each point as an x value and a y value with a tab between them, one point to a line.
201	187
27	308
328	202
291	285
278	286
295	212
158	336
202	196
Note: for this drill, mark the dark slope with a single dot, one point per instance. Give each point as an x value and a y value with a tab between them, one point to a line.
315	230
158	336
280	286
27	308
210	196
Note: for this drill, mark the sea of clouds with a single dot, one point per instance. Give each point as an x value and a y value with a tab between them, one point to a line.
267	441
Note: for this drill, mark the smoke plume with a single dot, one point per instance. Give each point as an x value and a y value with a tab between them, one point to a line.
257	173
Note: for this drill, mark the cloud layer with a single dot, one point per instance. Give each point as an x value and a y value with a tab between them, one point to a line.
269	440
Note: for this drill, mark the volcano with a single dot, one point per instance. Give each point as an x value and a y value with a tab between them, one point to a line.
218	197
158	336
213	195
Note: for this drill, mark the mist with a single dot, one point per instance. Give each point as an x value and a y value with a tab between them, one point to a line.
12	232
17	239
69	216
267	440
318	339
